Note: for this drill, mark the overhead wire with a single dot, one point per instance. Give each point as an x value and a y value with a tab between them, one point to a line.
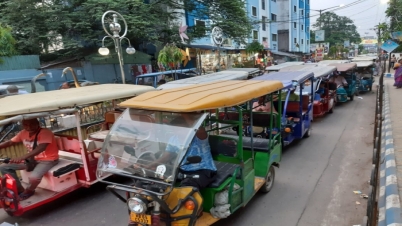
310	16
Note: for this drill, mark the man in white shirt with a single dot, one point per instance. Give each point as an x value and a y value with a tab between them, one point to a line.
339	80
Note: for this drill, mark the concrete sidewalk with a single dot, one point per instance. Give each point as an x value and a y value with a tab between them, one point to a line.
395	102
389	202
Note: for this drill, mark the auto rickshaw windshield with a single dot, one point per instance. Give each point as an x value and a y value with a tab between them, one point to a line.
148	143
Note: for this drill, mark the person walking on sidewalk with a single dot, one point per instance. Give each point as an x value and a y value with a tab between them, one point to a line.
393	59
398	75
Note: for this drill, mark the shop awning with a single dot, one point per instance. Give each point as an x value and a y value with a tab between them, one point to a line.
284	54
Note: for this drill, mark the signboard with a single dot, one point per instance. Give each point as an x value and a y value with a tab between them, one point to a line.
319	54
389	46
397	35
325	45
320	35
369	42
346	44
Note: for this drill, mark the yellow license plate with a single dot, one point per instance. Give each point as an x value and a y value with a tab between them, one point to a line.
140	218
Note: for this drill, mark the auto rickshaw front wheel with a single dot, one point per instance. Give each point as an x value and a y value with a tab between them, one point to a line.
269	180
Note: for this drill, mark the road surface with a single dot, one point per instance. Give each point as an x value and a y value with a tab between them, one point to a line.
314	184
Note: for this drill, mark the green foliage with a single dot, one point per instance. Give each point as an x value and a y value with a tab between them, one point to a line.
337	29
170	55
7	42
254	47
41	26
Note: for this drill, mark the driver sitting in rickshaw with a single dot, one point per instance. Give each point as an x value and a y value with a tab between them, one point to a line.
206	169
339	80
41	145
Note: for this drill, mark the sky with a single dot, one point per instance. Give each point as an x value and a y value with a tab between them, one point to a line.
365	14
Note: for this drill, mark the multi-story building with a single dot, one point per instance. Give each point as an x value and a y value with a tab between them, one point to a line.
293	25
284	27
266	32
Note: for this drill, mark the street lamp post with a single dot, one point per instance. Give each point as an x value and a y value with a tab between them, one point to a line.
217	37
114	34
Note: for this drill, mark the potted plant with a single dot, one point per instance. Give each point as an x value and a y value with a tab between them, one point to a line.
170	56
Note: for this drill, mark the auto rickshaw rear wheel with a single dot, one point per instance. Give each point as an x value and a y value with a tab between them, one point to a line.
10	213
352	97
269	180
332	109
308	133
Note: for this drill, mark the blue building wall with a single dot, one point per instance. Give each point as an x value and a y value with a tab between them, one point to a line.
190	18
273	9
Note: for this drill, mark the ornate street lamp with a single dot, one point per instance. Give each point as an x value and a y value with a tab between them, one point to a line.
114	34
217	37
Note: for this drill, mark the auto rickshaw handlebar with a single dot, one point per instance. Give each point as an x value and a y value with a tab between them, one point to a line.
5	160
181	176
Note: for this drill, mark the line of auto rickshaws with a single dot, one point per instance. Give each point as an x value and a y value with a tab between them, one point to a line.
139	123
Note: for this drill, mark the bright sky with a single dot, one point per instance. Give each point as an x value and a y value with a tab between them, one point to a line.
365	14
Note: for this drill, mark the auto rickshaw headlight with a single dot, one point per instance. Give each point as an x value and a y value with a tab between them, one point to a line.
137	205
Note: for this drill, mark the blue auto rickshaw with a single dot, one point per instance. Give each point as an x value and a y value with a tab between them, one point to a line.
343	92
365	76
158	78
297	107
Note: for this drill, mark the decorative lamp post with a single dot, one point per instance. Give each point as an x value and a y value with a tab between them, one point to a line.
114	34
217	37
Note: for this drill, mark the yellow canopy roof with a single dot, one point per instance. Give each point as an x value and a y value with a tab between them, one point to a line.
67	98
203	96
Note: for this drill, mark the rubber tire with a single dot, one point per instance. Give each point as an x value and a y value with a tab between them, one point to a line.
268	183
308	133
371	87
352	97
11	214
332	109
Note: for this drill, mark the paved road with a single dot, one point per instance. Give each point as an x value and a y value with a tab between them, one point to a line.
314	184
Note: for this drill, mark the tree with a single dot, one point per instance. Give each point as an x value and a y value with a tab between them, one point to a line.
76	24
7	42
254	47
337	28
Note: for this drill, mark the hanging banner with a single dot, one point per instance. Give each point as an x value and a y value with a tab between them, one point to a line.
346	44
389	46
320	35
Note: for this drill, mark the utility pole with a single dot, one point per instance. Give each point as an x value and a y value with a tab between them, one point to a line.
379	49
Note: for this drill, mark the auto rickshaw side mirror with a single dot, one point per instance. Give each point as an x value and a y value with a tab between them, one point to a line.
193	159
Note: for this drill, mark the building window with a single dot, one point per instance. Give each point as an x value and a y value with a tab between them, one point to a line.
307	42
264	39
308	15
302	12
307	28
294	8
295	40
264	19
274	37
253	11
302	42
308	2
273	17
294	25
274	0
255	35
200	24
263	4
302	27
